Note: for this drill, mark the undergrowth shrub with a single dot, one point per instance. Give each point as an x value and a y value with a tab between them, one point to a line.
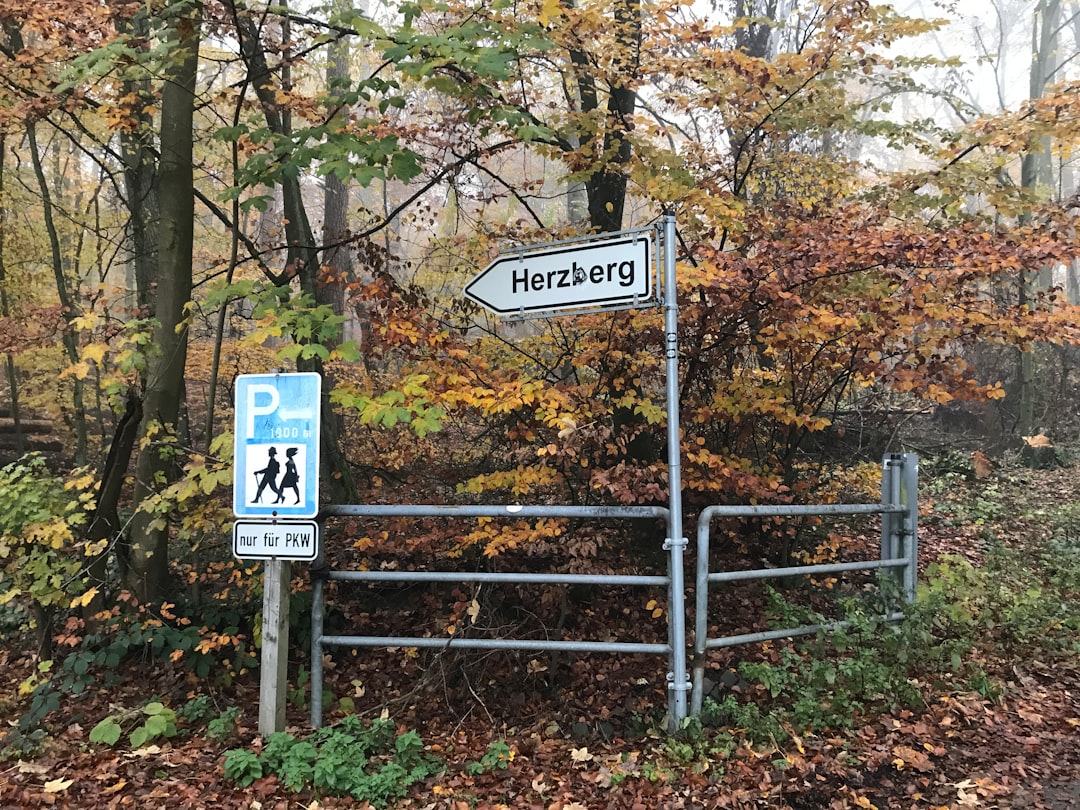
42	555
965	619
374	764
212	641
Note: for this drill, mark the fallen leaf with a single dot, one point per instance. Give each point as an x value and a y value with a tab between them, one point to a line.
907	757
580	754
144	752
32	767
58	785
116	788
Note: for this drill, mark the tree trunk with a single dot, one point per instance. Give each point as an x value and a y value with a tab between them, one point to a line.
1036	171
148	571
336	197
302	259
5	311
140	164
72	308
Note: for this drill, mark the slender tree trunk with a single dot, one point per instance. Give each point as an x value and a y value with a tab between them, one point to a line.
148	572
140	166
68	301
1036	171
336	195
302	260
5	311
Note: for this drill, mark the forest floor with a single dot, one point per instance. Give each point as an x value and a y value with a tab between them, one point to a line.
509	738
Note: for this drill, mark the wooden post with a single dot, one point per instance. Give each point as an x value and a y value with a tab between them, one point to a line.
275	645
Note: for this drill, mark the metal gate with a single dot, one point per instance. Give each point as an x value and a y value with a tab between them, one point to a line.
321	575
899	555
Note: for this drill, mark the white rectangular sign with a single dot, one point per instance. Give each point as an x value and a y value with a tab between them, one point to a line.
285	540
561	276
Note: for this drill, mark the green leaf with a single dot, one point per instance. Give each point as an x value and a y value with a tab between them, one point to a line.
107	732
139	737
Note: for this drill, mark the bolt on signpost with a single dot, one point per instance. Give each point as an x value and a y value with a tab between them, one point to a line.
605	274
276	497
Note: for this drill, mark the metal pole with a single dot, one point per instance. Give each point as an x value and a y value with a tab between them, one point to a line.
909	497
679	683
318	602
701	610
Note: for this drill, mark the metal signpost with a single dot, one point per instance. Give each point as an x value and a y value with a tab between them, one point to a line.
275	484
608	273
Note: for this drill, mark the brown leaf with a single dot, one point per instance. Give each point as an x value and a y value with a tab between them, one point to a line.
981	465
908	757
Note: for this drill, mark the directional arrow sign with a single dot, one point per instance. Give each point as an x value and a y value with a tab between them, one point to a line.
606	272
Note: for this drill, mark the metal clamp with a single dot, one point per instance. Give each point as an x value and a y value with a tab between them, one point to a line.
669	544
685	686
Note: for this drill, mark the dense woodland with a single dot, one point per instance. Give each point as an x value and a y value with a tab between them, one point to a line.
869	260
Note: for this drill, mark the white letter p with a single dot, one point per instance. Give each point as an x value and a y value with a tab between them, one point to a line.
254	410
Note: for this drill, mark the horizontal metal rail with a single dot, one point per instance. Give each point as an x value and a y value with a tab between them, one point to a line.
510	511
799	570
775	635
797	510
495	644
487	576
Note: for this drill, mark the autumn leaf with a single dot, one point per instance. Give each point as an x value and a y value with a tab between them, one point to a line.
907	757
580	755
58	785
33	768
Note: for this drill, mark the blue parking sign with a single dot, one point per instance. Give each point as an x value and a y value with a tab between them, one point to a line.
276	454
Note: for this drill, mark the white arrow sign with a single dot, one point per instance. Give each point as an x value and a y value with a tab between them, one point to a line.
605	272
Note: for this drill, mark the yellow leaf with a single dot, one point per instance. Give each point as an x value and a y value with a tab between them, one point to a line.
549	9
94	351
85	599
80	370
58	785
116	788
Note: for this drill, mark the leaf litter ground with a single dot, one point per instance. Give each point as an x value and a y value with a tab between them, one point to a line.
586	739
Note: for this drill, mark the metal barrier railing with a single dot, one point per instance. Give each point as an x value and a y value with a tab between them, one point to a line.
899	553
321	575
